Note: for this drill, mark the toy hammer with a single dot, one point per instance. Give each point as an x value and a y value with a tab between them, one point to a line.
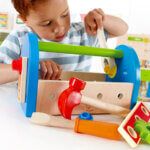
72	97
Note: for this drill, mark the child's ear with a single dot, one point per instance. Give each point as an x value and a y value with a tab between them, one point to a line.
23	19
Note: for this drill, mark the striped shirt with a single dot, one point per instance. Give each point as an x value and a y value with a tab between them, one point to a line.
11	47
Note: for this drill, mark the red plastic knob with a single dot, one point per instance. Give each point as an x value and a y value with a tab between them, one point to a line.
17	65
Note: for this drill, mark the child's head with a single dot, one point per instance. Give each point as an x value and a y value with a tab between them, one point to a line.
50	19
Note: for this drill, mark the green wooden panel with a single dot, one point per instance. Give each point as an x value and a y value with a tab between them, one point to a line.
145	75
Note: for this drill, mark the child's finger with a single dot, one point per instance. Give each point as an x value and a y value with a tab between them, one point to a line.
91	23
98	20
59	72
90	20
49	71
88	29
100	12
90	26
43	70
55	71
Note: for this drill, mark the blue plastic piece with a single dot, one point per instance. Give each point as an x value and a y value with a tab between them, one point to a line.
128	70
148	91
85	116
30	49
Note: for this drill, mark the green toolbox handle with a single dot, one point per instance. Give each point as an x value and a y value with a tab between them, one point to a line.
80	50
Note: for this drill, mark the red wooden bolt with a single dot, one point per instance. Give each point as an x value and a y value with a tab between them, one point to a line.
17	65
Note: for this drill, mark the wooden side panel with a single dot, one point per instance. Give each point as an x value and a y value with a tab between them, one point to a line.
115	93
22	81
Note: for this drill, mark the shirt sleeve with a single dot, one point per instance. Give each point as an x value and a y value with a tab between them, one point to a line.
10	49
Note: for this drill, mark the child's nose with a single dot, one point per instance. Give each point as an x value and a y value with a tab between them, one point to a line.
58	28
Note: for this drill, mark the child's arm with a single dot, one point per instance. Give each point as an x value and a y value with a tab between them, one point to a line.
49	70
7	74
97	19
114	26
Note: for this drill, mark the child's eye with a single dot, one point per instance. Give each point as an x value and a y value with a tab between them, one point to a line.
47	24
65	15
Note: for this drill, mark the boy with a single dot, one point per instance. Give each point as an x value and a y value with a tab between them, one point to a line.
50	20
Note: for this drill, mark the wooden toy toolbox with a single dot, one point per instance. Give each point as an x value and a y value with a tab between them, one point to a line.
42	95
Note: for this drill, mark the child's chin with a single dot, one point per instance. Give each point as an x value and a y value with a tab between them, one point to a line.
58	40
54	40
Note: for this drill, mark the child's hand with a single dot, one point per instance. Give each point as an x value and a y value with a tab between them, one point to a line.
94	20
50	70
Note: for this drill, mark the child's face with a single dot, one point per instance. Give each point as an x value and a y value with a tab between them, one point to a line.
50	20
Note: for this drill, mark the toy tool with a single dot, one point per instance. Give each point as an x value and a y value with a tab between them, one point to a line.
72	97
126	129
108	63
100	129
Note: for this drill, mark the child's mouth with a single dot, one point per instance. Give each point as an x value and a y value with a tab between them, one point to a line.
60	37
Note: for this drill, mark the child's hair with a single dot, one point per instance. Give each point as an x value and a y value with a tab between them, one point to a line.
23	6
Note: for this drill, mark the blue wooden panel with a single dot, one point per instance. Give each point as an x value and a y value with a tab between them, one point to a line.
30	49
148	90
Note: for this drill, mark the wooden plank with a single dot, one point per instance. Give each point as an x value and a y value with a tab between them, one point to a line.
114	93
22	81
86	76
